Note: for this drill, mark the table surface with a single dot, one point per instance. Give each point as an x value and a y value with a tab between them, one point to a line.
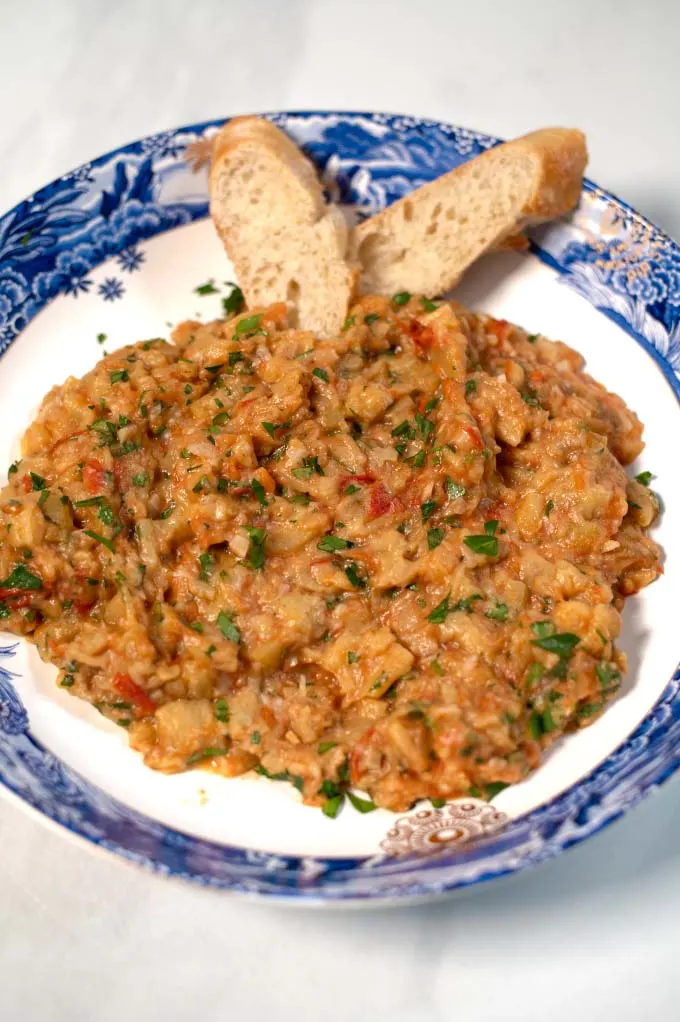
593	935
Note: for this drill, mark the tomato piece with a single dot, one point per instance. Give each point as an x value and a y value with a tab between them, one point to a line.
134	693
19	597
473	433
345	481
500	328
358	751
27	484
94	477
381	502
422	336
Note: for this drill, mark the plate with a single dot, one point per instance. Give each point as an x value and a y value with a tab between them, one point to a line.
114	252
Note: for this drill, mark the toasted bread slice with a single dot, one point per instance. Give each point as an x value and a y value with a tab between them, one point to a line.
285	243
425	241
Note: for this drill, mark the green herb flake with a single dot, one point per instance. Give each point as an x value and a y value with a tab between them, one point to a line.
437	668
362	805
548	508
100	539
536	725
197	757
608	675
259	491
222	710
401	298
350	321
470	387
486	546
321	374
332	806
167	511
67	681
37	482
563	644
353	575
248	325
437	803
439	613
644	478
428	306
428	508
372	317
207	562
332	543
256	552
221	418
499	612
454	490
494	788
119	376
225	623
434	538
326	747
234	301
141	479
349	490
206	289
269	427
425	426
101	338
589	709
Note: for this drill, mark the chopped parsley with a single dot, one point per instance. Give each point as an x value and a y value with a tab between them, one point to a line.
350	321
401	298
357	580
247	326
548	508
486	545
372	317
197	757
428	305
563	643
470	387
321	374
259	491
120	376
434	538
331	543
141	479
256	554
206	289
167	511
644	478
207	562
608	675
225	623
234	301
352	657
454	490
37	482
100	539
425	426
349	490
21	578
362	805
308	468
326	747
499	612
428	508
222	711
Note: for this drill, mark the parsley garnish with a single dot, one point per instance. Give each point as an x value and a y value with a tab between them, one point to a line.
259	491
454	490
548	508
428	305
486	545
247	326
234	302
206	289
167	511
225	623
196	757
326	747
372	317
331	543
37	482
100	539
321	374
563	644
21	578
353	575
120	376
140	480
428	508
349	490
256	552
222	711
499	612
644	478
434	538
401	298
425	426
207	562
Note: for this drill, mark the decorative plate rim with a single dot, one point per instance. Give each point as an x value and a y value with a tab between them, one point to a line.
650	313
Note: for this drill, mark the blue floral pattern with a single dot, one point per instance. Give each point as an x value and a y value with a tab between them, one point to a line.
51	243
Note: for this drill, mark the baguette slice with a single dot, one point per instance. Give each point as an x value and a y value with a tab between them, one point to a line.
426	240
285	243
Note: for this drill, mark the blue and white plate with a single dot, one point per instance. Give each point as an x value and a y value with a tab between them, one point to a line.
113	253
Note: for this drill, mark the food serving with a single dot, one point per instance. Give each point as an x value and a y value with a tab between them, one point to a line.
393	559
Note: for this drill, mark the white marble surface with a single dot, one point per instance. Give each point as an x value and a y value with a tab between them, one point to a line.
592	936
